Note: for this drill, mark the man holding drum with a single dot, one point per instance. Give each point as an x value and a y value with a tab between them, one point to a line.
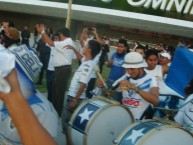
139	90
79	82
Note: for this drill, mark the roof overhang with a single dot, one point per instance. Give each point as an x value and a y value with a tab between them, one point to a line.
101	15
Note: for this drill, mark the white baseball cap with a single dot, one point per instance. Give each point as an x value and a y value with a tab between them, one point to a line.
165	54
134	60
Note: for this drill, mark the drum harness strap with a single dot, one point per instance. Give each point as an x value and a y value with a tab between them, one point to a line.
191	100
175	110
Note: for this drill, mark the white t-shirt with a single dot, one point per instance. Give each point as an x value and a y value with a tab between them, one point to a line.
7	60
156	72
136	104
96	61
64	56
82	75
43	110
51	60
185	114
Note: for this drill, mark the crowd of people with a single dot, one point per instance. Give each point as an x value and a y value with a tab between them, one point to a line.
135	74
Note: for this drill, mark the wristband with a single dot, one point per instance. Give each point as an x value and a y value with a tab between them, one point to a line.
74	100
138	91
129	86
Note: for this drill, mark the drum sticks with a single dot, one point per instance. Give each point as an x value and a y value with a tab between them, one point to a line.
96	69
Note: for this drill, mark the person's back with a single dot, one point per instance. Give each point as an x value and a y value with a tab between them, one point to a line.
44	51
44	55
25	35
27	69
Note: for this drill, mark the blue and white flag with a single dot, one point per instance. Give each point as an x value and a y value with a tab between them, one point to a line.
27	60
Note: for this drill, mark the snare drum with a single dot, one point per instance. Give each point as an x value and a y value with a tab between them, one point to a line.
151	132
98	121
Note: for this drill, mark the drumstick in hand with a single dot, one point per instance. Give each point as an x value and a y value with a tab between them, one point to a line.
96	69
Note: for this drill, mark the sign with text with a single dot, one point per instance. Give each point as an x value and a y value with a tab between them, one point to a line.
181	6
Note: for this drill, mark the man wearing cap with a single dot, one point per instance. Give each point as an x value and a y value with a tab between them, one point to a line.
164	58
62	62
140	90
164	61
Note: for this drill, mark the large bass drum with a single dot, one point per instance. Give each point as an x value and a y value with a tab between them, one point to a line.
154	132
98	121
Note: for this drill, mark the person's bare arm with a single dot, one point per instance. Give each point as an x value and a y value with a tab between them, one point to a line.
45	37
30	130
78	55
82	37
76	98
109	63
96	34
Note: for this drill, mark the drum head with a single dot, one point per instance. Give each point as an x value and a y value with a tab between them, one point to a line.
107	125
152	132
169	136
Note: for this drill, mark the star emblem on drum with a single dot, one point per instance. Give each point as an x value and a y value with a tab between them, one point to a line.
85	115
135	135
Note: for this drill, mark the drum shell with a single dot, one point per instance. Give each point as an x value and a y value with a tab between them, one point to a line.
102	127
164	133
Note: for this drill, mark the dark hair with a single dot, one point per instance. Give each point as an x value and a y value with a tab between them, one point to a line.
41	22
56	33
171	49
104	38
11	24
141	47
124	42
189	88
95	47
65	32
150	52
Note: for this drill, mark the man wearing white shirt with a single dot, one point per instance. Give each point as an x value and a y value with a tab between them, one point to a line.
80	80
62	62
88	34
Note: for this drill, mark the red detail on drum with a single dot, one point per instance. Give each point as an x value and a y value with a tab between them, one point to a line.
131	102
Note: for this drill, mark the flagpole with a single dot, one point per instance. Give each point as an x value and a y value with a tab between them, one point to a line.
69	14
